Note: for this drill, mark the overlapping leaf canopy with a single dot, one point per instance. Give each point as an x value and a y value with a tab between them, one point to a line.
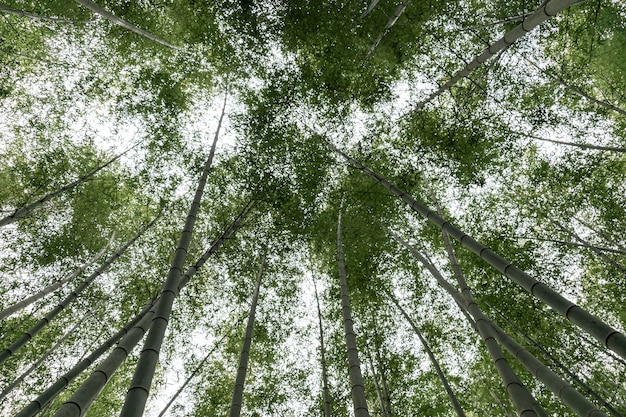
526	154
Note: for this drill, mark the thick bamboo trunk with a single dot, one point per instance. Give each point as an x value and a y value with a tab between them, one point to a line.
357	388
325	392
561	388
24	211
35	329
549	9
455	403
53	287
45	398
123	23
91	388
604	333
236	403
142	379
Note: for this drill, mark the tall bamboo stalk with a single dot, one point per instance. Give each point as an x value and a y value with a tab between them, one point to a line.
586	146
455	403
35	16
546	11
523	400
123	23
559	364
370	364
577	90
392	21
52	287
597	251
383	378
325	392
561	388
46	397
24	211
371	6
235	405
359	400
572	244
142	379
604	333
498	22
84	396
192	375
39	361
36	328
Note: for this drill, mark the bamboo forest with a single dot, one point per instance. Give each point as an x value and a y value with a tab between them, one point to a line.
312	208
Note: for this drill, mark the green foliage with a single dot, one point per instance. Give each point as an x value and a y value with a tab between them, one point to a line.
297	76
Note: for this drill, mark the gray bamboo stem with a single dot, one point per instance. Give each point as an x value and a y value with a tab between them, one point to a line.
585	146
236	403
24	211
524	402
35	329
549	9
123	23
53	287
325	392
38	362
499	22
371	6
357	388
559	364
604	333
600	233
35	16
379	395
142	379
598	252
577	90
455	403
191	376
561	389
383	378
82	399
45	398
392	21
